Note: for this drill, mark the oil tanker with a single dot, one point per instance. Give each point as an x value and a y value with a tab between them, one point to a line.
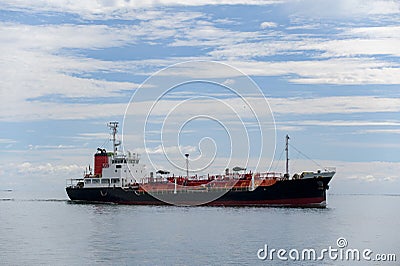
120	178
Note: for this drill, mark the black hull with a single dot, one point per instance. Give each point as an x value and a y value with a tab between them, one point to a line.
310	192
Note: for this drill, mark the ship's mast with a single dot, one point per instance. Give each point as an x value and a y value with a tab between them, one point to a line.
287	156
113	126
187	165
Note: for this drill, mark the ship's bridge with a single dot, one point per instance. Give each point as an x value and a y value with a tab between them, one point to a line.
130	158
126	167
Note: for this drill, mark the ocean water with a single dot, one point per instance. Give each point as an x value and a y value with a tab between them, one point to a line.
58	232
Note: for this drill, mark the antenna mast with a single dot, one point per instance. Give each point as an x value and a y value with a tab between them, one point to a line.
287	156
187	165
113	126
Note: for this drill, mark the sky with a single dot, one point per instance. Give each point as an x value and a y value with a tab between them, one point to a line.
325	72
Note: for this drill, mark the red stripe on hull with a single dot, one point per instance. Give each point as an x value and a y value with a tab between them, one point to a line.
301	202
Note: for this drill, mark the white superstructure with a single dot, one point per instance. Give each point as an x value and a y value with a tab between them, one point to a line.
113	169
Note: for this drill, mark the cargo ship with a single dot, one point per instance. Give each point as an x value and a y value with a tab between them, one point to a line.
120	178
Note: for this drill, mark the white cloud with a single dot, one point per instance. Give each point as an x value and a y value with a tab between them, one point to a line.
134	8
372	127
335	104
32	69
53	111
117	8
268	24
284	128
330	71
229	82
377	32
343	8
320	105
357	46
363	127
341	71
32	50
378	144
44	68
384	131
209	35
345	123
7	141
239	50
54	37
350	42
369	171
32	65
374	7
27	168
89	136
50	147
170	150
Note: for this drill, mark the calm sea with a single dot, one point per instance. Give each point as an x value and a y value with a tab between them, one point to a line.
58	232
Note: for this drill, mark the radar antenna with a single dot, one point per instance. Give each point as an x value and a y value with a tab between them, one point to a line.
287	156
113	126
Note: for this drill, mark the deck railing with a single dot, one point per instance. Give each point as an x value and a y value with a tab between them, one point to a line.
73	182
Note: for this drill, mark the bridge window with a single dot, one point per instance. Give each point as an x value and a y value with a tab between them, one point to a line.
105	181
88	181
119	161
